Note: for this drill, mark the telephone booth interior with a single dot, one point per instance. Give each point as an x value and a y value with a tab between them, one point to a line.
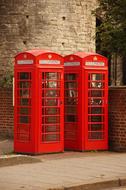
86	102
38	108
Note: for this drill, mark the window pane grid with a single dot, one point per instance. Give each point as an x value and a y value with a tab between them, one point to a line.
50	94
96	92
71	103
24	89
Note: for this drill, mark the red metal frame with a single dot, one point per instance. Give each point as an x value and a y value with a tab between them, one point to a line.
73	129
28	122
92	125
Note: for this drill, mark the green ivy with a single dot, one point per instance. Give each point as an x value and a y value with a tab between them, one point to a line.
6	80
111	34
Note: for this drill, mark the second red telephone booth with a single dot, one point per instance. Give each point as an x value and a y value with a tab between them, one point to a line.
39	109
86	97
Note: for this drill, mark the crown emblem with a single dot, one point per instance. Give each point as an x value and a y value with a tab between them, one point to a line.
25	56
49	56
71	58
95	58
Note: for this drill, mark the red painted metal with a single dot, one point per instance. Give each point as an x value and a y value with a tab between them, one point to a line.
39	107
86	102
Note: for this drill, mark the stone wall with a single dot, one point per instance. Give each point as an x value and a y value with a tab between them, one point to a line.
62	26
6	113
117	118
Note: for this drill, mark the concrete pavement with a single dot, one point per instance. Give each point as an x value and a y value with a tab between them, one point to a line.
6	146
117	188
70	170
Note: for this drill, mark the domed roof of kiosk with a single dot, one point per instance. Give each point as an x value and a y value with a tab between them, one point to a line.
37	52
34	52
86	54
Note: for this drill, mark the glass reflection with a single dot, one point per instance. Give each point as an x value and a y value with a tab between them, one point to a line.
95	85
93	101
96	76
70	76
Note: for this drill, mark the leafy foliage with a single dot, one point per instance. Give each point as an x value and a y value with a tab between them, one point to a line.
6	81
111	33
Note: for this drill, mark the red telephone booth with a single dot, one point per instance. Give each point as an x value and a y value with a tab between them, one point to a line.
86	97
39	110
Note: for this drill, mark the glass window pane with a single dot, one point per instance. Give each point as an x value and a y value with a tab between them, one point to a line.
23	137
96	110
69	110
52	93
50	111
25	101
96	135
95	93
50	128
71	85
70	118
71	76
96	85
96	76
24	111
23	128
52	84
24	119
24	84
71	93
51	137
93	101
24	76
51	119
95	118
50	102
95	127
52	76
24	93
71	101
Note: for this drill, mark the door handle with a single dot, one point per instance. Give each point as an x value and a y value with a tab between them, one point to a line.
13	91
61	102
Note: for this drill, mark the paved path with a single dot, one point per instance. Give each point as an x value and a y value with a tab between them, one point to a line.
64	170
117	188
6	146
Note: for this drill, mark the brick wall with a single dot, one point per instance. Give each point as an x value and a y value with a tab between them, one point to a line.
117	118
6	113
